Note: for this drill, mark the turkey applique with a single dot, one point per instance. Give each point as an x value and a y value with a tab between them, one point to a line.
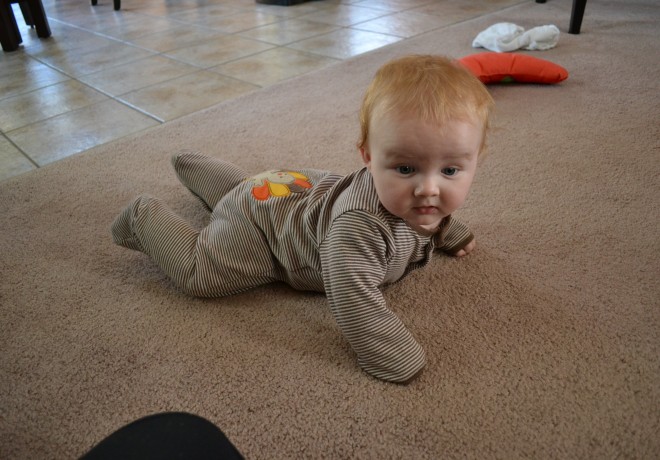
278	183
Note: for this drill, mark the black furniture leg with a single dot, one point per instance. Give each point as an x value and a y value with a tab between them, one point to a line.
116	3
576	16
25	9
39	18
10	37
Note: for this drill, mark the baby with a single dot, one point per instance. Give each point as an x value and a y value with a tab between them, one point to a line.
424	121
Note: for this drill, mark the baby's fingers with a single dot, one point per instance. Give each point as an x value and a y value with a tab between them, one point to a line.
467	249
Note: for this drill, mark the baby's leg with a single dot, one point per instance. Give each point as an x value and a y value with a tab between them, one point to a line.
204	264
207	178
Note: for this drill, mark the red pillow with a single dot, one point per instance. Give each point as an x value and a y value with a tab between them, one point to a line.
511	67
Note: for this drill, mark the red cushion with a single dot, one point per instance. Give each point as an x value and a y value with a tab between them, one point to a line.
508	67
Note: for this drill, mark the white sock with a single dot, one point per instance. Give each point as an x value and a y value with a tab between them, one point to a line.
505	36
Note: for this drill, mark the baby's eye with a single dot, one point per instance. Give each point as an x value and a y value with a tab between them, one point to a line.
405	169
449	171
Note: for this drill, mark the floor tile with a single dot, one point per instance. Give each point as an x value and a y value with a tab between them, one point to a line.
76	63
396	5
60	34
345	43
12	160
64	38
43	103
344	15
460	10
11	62
405	24
198	16
58	8
74	132
87	17
166	9
293	11
239	22
136	26
190	93
25	74
272	66
289	31
137	74
218	50
181	36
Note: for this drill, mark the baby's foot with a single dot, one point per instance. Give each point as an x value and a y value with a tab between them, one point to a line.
122	227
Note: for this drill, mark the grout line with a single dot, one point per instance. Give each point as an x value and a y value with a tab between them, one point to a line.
34	163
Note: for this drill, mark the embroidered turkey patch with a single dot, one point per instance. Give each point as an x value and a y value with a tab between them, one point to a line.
278	183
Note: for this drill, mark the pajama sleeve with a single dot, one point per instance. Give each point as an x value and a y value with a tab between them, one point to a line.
354	263
453	237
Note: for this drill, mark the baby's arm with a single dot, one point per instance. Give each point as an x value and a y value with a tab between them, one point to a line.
456	239
353	259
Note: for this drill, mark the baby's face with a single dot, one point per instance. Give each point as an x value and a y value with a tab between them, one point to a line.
422	172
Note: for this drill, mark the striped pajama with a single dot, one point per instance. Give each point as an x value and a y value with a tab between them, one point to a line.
311	229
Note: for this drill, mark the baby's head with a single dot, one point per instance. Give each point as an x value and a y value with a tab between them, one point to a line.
424	121
432	89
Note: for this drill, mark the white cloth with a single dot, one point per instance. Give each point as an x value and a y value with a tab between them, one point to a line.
505	36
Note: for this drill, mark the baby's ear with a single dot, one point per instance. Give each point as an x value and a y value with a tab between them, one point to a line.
366	156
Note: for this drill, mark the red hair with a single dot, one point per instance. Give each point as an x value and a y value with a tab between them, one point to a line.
432	88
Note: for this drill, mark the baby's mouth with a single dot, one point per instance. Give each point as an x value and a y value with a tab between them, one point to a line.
425	210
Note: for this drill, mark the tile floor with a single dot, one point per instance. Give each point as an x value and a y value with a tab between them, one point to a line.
105	74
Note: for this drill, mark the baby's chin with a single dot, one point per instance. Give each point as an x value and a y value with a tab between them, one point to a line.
425	229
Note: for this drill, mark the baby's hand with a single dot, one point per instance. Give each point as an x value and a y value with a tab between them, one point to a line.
467	249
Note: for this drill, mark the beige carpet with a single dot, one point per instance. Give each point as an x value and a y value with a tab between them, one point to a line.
544	343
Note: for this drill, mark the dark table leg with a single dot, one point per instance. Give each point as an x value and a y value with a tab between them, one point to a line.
10	37
27	15
576	16
39	18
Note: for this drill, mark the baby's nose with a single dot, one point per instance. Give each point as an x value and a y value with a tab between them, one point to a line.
427	187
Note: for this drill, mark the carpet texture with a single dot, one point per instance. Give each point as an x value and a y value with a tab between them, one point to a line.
543	343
